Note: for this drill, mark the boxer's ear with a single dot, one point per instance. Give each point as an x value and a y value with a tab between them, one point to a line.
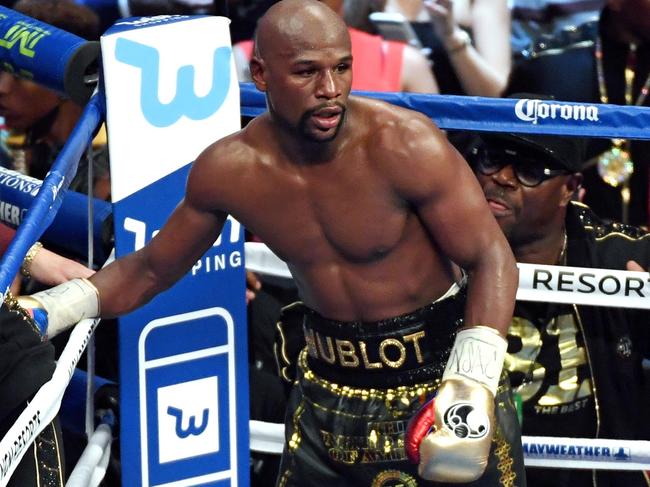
258	72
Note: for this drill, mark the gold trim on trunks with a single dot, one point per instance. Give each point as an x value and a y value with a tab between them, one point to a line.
416	390
399	401
281	359
384	442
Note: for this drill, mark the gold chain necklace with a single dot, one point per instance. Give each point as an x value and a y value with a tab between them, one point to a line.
615	165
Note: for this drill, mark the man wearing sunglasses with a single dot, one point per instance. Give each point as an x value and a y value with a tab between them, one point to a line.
577	369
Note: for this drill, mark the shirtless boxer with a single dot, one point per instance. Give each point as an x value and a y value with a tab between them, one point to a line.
375	213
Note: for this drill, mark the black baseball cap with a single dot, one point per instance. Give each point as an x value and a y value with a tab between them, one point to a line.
565	152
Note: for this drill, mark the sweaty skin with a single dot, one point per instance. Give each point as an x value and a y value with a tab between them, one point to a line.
368	203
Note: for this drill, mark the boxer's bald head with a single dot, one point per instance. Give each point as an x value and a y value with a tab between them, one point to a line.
294	24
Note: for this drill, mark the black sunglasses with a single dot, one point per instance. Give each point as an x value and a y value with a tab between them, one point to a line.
528	170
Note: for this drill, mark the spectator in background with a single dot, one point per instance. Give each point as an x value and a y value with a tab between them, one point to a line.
578	369
592	68
49	268
469	42
379	65
536	21
244	15
44	119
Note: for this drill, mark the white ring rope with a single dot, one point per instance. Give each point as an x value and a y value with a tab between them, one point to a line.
548	283
539	451
586	453
91	467
261	259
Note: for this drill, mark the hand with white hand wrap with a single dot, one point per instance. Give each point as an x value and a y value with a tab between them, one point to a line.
62	306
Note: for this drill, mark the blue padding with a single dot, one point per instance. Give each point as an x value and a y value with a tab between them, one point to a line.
69	230
50	56
452	112
49	198
73	406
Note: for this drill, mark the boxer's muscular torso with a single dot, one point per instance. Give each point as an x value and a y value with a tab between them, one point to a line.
368	231
346	226
354	245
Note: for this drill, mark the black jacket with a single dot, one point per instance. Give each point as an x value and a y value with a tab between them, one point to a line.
617	339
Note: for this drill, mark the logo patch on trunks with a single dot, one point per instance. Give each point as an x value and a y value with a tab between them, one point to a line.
394	478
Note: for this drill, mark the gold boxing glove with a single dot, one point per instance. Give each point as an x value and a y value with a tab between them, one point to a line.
451	435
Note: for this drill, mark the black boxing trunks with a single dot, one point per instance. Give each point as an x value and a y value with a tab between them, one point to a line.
357	386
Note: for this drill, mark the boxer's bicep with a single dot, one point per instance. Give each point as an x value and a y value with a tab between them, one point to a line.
133	280
187	235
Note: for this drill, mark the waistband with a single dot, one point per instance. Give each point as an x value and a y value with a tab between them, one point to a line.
403	350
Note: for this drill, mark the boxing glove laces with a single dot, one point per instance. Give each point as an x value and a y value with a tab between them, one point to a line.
57	309
451	435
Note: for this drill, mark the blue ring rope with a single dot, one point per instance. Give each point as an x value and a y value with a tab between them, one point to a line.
45	205
453	112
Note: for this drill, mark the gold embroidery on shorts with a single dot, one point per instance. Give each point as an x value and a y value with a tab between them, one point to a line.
395	364
414	337
281	358
505	460
294	441
330	348
359	354
364	356
384	442
285	478
397	397
311	342
347	355
394	477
